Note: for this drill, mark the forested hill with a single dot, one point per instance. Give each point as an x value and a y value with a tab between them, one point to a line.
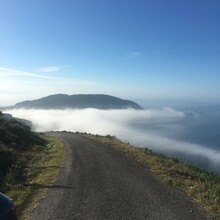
62	101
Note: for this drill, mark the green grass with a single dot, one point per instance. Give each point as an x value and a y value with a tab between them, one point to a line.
200	185
41	169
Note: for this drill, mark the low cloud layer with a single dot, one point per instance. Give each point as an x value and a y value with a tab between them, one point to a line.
157	129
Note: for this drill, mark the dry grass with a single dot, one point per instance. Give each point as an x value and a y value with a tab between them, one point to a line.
200	185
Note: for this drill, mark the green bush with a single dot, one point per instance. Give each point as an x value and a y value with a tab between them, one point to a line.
16	140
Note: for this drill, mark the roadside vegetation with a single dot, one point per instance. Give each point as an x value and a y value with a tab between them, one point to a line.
200	185
29	162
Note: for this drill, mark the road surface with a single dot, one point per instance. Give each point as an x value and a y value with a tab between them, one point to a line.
96	183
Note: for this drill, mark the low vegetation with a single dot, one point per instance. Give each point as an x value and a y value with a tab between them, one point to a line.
202	186
28	164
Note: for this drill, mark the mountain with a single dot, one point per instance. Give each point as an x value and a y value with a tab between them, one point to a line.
62	101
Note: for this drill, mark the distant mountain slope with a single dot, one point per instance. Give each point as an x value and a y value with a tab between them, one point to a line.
62	101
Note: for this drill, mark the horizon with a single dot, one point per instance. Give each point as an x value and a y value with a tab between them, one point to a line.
144	103
145	51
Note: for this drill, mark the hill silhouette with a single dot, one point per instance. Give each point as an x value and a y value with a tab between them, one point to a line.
62	101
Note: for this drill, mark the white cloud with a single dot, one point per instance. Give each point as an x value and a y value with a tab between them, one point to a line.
48	69
105	121
123	124
7	72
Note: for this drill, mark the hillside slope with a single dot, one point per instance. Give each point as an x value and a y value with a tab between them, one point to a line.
15	139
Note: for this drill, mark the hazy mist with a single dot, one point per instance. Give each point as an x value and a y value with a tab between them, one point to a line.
161	130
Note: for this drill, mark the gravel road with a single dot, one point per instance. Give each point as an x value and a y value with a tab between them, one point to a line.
97	182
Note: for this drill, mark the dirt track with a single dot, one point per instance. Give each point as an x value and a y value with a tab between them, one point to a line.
97	182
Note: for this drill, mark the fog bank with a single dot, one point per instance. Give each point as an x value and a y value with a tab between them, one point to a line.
157	129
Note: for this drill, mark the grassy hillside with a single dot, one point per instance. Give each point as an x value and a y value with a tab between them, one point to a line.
16	140
28	163
200	185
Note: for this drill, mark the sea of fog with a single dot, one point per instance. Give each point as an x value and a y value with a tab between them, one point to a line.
188	133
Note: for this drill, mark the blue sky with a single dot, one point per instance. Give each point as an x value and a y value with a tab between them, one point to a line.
141	50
